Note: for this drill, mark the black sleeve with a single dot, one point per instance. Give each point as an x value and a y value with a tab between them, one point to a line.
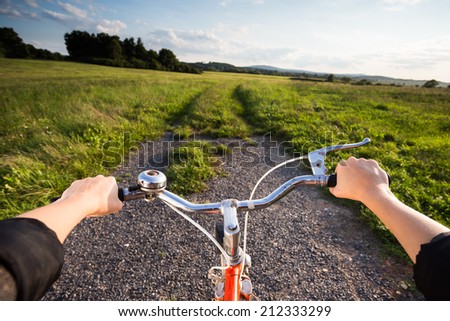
32	253
432	268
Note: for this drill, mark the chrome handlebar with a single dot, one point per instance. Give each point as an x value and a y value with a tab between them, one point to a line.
215	208
152	184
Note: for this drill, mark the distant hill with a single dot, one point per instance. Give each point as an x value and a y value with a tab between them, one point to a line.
309	75
374	79
265	70
265	67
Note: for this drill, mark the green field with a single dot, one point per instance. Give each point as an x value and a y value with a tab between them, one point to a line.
57	117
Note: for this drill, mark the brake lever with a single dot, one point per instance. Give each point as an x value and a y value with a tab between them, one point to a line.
317	157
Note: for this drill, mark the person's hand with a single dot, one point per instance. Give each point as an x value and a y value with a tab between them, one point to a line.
96	196
358	179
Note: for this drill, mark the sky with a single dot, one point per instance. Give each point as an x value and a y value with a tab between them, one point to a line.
407	39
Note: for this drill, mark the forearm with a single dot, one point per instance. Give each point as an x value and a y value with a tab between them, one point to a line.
61	216
88	197
410	227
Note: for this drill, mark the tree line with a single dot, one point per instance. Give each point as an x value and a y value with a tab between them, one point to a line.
12	46
100	48
109	50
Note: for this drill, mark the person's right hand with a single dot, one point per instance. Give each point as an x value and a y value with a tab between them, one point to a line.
358	179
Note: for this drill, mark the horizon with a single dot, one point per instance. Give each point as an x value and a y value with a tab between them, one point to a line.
405	39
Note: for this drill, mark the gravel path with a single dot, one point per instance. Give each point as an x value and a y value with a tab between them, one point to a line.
308	246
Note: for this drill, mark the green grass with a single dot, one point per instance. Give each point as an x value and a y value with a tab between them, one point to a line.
62	121
215	113
193	164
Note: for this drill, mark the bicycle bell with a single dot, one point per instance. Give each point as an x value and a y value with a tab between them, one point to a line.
152	180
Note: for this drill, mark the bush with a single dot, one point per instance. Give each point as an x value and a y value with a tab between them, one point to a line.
431	84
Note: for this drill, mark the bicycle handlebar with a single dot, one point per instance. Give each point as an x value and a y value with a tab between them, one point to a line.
214	208
152	183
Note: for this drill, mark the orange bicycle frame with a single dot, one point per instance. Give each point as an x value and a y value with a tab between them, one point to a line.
232	290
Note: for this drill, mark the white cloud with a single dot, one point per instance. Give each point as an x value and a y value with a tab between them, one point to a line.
397	5
223	43
66	13
32	3
56	15
111	26
9	9
190	41
224	3
402	2
10	12
77	12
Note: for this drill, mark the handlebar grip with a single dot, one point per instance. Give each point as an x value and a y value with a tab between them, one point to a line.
332	180
121	194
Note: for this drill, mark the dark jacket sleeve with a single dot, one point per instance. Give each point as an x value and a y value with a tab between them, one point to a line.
32	254
432	268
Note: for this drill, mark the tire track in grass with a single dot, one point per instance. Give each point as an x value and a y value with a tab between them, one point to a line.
215	113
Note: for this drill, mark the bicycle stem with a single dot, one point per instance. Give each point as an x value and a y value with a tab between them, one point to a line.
232	231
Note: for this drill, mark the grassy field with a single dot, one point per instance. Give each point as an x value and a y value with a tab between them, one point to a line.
58	118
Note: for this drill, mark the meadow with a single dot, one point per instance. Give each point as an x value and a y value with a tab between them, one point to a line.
58	118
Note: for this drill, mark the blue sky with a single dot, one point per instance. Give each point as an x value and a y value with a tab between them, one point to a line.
398	38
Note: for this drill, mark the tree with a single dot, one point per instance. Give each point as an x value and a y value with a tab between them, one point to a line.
152	58
330	78
11	45
128	48
140	51
114	49
363	82
168	59
346	79
431	84
79	44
